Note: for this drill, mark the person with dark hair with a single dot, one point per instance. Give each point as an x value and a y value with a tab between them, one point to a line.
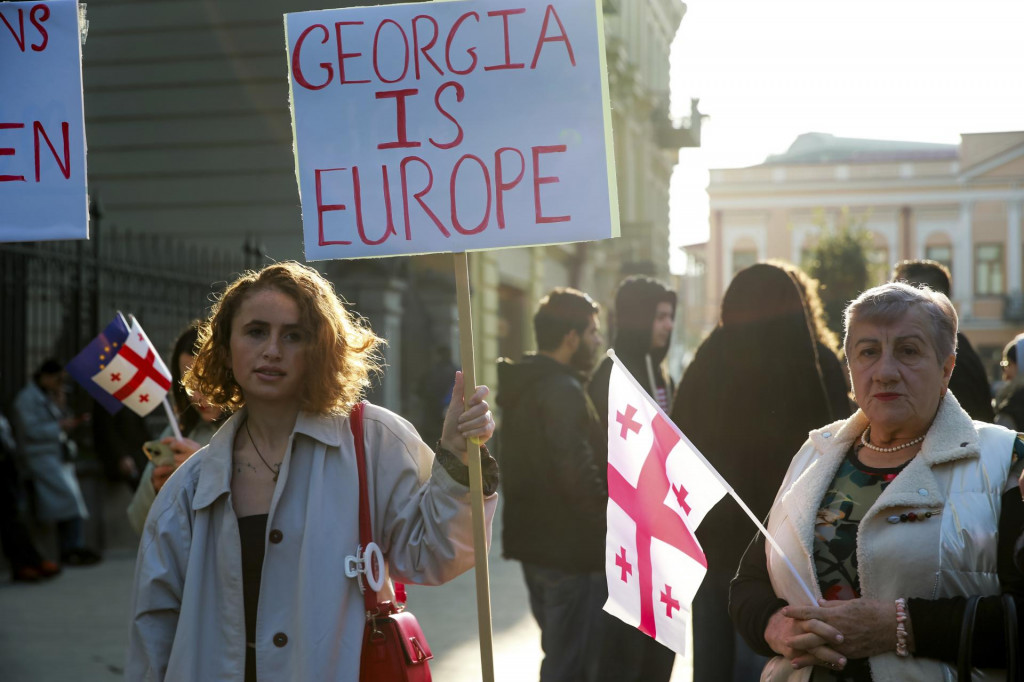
197	419
42	424
1009	404
644	316
554	461
969	382
242	566
759	368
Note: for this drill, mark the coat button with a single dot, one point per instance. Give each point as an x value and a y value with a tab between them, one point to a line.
923	492
276	536
827	434
280	639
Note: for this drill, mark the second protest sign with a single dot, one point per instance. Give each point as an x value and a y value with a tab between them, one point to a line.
449	127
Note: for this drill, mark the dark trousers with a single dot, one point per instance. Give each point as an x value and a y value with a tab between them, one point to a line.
70	535
628	655
17	544
565	606
719	653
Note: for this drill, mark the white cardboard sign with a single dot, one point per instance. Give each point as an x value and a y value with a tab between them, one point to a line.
451	126
42	127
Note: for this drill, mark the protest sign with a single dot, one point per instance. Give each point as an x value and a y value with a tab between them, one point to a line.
42	128
450	127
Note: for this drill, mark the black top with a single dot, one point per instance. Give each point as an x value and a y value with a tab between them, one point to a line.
553	465
969	382
253	532
936	622
747	401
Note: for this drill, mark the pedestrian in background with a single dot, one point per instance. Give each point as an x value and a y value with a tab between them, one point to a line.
48	452
197	419
27	563
969	382
554	461
242	562
645	312
1009	404
747	401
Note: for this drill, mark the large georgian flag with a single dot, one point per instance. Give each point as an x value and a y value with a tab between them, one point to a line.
120	368
659	490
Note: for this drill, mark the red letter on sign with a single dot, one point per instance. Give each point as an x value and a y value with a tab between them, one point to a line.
65	168
342	56
460	94
389	228
322	208
538	181
19	36
500	186
487	189
38	23
297	70
419	197
508	53
563	37
9	151
403	134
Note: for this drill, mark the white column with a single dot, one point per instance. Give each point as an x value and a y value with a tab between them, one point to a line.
963	261
1013	248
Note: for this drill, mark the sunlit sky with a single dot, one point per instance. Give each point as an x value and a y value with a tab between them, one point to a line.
766	71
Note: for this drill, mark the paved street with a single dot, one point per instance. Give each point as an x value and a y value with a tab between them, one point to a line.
74	627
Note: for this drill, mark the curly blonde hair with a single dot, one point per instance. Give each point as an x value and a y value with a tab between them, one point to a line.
342	348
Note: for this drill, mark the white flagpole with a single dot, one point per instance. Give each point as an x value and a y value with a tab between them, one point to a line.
172	419
725	484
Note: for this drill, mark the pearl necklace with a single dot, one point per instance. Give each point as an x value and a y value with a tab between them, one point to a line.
864	441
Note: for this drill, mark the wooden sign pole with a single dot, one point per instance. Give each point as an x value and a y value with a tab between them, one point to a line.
483	589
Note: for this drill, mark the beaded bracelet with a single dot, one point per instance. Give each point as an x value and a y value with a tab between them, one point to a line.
901	627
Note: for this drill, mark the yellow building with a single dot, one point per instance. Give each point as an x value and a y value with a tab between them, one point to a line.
957	204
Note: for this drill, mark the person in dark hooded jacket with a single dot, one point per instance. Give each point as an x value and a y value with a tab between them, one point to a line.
553	459
747	401
644	315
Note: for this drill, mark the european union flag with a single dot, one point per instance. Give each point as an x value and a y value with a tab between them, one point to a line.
95	357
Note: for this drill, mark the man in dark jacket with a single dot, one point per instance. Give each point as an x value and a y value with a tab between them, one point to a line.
969	382
553	463
645	312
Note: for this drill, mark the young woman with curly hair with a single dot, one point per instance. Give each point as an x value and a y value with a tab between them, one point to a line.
242	561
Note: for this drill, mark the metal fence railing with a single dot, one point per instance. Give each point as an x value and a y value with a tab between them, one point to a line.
56	296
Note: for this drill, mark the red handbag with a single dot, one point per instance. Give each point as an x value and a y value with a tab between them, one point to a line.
394	647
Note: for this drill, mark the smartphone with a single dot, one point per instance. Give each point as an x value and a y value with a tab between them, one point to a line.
160	454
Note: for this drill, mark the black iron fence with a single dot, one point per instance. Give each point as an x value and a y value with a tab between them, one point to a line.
56	296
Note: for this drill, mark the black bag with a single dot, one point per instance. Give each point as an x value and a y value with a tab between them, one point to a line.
1010	632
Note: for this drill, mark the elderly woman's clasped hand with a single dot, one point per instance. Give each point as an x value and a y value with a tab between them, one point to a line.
864	624
805	640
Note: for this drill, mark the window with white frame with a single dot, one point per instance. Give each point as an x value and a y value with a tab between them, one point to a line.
743	258
989	270
941	254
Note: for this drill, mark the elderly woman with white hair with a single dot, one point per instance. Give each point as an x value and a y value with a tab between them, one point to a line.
900	520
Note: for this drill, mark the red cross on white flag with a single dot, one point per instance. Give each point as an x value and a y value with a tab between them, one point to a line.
135	374
659	490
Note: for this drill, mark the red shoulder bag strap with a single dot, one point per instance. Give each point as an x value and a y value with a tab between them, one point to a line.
355	420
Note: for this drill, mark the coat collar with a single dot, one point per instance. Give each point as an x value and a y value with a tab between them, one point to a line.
215	467
950	437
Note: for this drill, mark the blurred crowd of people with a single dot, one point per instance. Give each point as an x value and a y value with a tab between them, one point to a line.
772	395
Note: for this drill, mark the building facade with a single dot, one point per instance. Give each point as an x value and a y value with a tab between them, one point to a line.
190	136
957	204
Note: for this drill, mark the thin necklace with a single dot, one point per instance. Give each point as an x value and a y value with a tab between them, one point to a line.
864	441
273	470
